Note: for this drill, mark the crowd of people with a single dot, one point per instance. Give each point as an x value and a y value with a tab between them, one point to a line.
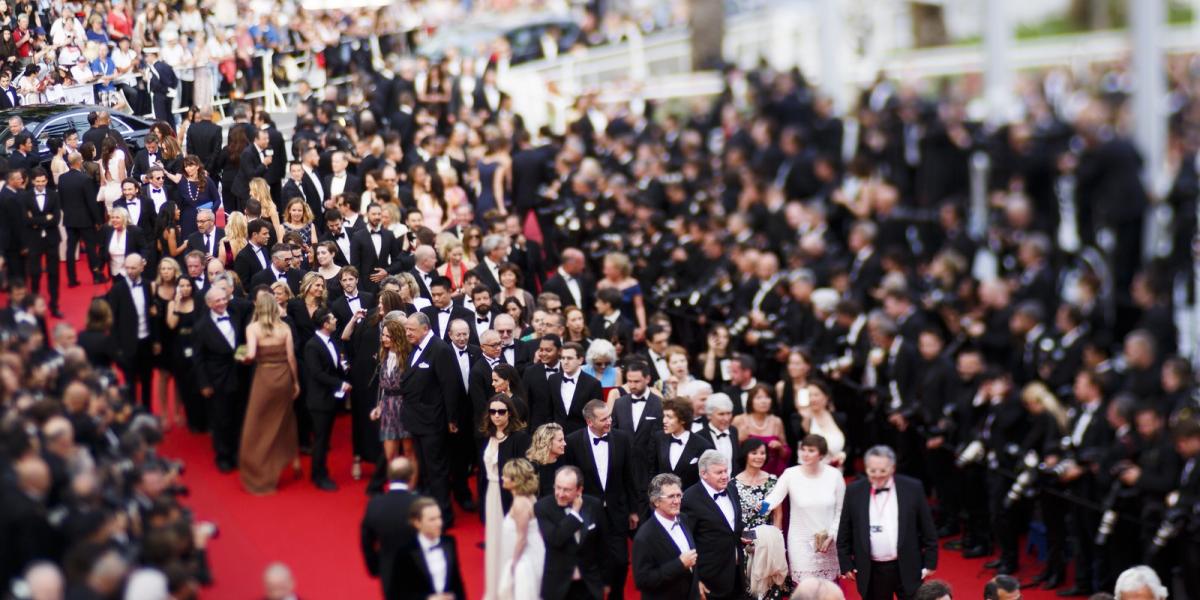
688	330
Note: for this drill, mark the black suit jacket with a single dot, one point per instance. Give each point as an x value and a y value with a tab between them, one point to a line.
657	572
204	140
146	219
707	433
250	165
687	469
125	318
77	194
322	376
141	164
587	388
719	564
620	494
339	258
195	241
366	260
41	224
432	389
384	532
353	184
412	572
267	277
916	544
564	553
486	278
9	98
341	307
247	266
480	391
587	289
644	445
214	365
456	312
134	241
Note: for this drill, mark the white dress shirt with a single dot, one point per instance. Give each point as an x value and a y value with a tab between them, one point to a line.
443	317
493	267
134	208
464	363
885	523
674	529
337	184
1085	420
637	408
330	348
567	389
509	355
660	365
377	241
158	196
343	243
676	450
316	182
139	304
226	328
600	456
435	559
421	347
722	442
257	251
723	502
572	286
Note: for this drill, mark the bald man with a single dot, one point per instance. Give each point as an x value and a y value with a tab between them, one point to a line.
572	283
135	330
24	526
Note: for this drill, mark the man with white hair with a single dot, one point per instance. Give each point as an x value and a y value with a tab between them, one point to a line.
719	431
44	581
696	392
278	583
813	588
207	236
134	329
1139	583
215	338
713	510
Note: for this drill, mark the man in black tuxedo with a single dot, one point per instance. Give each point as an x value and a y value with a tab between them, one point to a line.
424	263
374	251
495	249
385	526
141	213
711	507
10	97
571	389
639	413
146	158
676	449
432	388
204	138
573	527
280	270
82	217
479	380
481	305
135	330
351	300
41	217
718	430
607	321
422	576
162	84
340	181
536	378
207	237
515	352
664	551
11	217
158	190
253	257
443	310
325	386
277	168
22	156
887	542
255	161
215	338
606	459
334	231
462	445
571	281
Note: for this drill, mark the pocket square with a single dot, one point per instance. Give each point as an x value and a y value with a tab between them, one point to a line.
423	365
649	418
694	461
591	526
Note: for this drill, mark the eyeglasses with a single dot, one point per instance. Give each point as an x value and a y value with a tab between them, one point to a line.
504	331
492	345
601	364
498	411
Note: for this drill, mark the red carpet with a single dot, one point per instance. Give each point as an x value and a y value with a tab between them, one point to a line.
316	533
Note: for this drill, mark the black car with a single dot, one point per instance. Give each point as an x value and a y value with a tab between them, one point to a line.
45	120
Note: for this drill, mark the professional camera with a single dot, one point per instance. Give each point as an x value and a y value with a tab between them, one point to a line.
1171	523
837	365
1108	519
970	454
1025	480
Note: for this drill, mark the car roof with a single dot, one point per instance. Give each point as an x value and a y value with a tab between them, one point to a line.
40	112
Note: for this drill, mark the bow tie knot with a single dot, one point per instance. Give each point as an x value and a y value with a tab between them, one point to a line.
351	298
596	441
635	399
722	435
481	319
720	493
222	318
568	380
880	490
462	352
676	440
444	310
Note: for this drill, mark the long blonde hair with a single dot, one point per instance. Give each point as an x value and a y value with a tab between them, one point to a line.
236	231
266	313
261	191
310	279
1038	392
543	437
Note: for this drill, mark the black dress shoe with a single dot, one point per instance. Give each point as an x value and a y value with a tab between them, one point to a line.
947	531
57	314
224	467
325	484
1040	577
99	279
993	564
72	284
954	545
1006	569
1052	581
1074	591
977	552
469	506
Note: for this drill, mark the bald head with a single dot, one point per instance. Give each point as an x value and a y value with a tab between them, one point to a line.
426	258
572	261
45	581
400	469
812	588
33	476
278	582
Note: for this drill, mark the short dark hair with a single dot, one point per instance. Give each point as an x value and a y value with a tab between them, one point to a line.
417	510
321	315
440	281
256	226
638	365
1008	583
576	346
480	289
609	296
332	215
813	440
552	338
682	409
933	589
654	329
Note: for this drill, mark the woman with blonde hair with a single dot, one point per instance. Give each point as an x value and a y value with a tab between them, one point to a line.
410	292
454	269
298	218
261	191
394	349
522	550
283	294
269	437
162	292
546	449
303	307
236	238
618	274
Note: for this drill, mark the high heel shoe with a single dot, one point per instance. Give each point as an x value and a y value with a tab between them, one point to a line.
356	469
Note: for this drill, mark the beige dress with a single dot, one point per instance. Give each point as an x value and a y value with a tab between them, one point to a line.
269	437
494	518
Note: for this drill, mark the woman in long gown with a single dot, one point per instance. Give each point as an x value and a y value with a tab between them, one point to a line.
112	173
760	423
269	438
816	491
522	550
506	440
180	318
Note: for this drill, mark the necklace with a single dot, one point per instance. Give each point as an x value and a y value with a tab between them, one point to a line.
193	191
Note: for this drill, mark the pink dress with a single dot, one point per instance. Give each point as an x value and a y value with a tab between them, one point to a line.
777	459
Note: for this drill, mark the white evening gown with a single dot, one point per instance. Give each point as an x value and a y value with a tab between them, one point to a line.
522	581
816	505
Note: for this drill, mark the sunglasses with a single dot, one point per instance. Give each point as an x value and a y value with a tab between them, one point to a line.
498	411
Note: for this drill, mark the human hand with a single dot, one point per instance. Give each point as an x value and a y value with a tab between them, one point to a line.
376	413
454	428
688	558
703	591
207	392
378	275
927	573
850	575
577	503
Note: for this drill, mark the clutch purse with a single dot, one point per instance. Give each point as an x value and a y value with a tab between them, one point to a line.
819	539
239	354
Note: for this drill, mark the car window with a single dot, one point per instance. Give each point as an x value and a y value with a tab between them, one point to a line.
120	125
56	126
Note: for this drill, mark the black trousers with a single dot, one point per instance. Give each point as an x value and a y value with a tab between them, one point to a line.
322	426
139	373
946	482
194	405
14	264
1054	517
462	458
975	502
90	238
435	470
226	408
580	591
49	258
885	582
1007	523
617	542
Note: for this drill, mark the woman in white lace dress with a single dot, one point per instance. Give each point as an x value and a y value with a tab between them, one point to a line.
112	171
816	491
522	551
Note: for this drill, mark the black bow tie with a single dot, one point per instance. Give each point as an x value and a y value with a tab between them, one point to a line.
881	490
131	202
568	380
551	371
136	284
379	233
720	493
676	440
351	298
482	319
462	352
444	310
722	435
635	399
437	546
225	318
596	441
155	191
